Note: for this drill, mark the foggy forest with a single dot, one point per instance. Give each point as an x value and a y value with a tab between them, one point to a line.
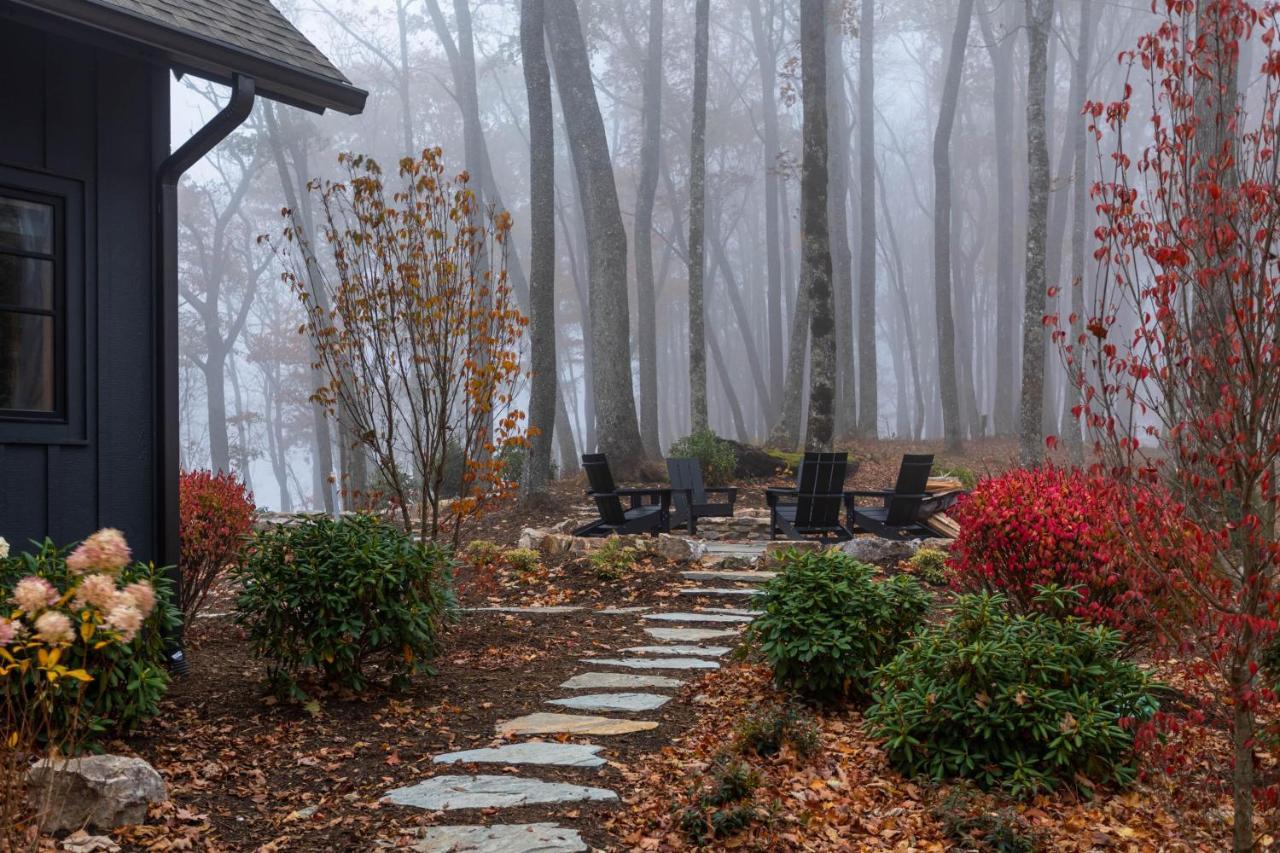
958	167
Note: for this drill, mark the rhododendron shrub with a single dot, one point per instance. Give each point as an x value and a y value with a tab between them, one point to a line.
1177	359
215	519
1035	527
81	641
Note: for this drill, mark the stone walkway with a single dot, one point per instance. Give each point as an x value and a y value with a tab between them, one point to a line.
622	684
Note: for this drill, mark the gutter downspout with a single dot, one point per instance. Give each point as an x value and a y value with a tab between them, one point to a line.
169	173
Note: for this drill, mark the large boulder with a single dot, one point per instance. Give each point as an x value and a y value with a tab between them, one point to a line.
675	548
102	791
880	552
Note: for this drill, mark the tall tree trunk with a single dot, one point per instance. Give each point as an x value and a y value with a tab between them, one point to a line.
785	434
617	426
1000	46
899	278
766	58
816	239
543	390
650	161
697	221
216	403
1079	209
838	143
947	382
1031	448
868	402
726	383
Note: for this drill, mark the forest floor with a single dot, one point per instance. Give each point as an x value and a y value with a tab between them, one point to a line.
246	772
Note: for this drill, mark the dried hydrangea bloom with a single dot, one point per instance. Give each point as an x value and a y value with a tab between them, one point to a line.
33	594
142	596
125	620
8	632
96	591
105	551
4	548
54	627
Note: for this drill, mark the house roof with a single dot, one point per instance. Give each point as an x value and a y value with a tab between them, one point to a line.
217	38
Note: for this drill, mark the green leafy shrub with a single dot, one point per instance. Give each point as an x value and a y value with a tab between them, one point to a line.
930	565
482	552
1021	702
964	474
973	826
118	641
765	731
612	559
715	455
525	562
827	623
339	598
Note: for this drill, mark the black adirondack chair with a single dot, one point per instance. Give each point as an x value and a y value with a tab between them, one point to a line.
689	496
813	507
651	516
902	510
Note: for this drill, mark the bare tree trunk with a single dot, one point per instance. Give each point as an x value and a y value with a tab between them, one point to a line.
816	239
868	402
838	143
785	434
1079	208
947	383
766	58
1031	448
1000	46
616	422
697	221
543	390
650	148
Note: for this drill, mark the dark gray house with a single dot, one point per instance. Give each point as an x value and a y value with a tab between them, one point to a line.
88	266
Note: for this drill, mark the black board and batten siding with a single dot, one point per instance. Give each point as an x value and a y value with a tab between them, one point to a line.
94	124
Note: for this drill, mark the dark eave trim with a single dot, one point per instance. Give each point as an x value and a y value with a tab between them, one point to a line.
214	59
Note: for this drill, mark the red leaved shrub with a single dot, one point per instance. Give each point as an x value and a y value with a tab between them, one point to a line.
1037	526
216	516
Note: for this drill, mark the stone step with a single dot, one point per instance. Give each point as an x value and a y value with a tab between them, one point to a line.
690	635
733	611
728	575
654	663
744	549
705	616
530	611
618	681
720	591
542	723
699	651
499	838
622	611
447	793
528	752
613	702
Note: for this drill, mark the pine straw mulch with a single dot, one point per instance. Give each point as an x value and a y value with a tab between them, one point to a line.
848	797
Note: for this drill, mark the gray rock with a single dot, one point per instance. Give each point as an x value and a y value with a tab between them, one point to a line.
675	548
529	752
499	838
555	544
880	552
618	681
733	611
654	663
446	793
622	611
689	635
570	724
729	575
532	538
613	702
527	611
697	617
720	591
700	651
937	544
103	791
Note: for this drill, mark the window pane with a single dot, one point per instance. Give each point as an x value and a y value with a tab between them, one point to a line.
26	362
26	225
26	282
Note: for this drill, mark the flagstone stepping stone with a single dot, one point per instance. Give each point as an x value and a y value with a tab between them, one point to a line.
446	793
553	608
499	838
622	611
733	611
708	616
654	663
741	577
720	591
529	752
570	724
703	651
617	681
613	702
689	635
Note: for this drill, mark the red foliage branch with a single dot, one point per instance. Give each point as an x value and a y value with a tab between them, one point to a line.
215	514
